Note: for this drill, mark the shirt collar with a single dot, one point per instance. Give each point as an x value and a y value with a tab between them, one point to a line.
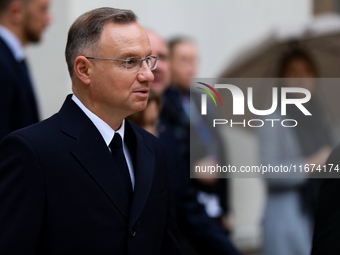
13	43
104	129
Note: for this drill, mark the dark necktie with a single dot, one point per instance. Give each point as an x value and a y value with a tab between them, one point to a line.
119	159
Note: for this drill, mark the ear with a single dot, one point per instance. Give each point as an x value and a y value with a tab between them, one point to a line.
82	69
16	12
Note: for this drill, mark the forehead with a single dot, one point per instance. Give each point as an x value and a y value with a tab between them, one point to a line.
184	48
124	40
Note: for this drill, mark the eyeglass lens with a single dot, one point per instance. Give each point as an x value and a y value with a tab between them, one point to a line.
136	63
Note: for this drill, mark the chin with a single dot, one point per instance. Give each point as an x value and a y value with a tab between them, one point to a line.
33	37
140	106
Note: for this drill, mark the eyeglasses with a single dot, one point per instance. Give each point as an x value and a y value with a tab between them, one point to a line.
135	63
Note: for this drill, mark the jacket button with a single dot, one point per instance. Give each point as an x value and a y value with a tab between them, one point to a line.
132	232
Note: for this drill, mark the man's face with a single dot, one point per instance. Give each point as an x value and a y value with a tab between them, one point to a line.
36	19
115	90
183	64
162	72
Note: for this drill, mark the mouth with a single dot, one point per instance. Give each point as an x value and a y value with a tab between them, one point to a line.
142	92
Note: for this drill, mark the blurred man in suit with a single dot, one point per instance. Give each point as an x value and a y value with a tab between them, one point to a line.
21	22
87	181
198	231
197	143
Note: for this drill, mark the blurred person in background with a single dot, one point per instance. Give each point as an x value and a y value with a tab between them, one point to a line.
162	72
206	142
200	234
21	22
291	202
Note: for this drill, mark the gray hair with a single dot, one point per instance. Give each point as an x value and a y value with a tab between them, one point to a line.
85	32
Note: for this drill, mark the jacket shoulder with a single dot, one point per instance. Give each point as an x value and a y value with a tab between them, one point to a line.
6	58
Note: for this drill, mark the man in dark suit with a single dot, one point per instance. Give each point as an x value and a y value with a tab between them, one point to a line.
21	22
87	181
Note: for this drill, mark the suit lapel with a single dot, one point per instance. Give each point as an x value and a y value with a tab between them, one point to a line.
91	151
144	171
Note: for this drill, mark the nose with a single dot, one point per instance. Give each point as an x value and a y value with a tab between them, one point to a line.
145	74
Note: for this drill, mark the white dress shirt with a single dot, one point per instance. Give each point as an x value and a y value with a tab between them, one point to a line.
13	43
108	133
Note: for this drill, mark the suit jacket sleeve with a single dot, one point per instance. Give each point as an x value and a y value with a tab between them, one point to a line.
204	233
21	197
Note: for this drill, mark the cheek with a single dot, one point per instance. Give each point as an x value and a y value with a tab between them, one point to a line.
124	82
164	67
38	22
112	83
184	74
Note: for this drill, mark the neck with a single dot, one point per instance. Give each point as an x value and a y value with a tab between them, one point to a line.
184	91
182	88
113	119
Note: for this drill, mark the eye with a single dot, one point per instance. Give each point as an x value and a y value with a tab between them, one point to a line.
131	62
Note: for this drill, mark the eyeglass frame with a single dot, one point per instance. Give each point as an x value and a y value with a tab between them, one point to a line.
125	60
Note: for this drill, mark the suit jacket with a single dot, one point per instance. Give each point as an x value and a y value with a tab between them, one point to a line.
17	102
60	191
327	221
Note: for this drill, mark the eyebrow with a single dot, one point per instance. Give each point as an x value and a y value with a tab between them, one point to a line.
128	55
